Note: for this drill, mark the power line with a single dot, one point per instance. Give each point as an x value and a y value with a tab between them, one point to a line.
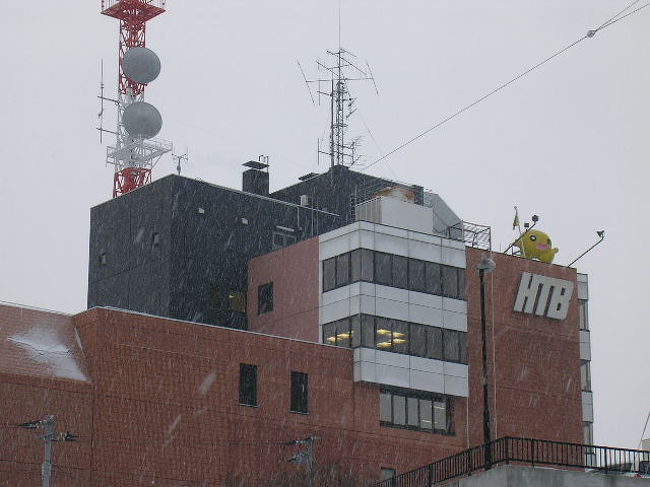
588	35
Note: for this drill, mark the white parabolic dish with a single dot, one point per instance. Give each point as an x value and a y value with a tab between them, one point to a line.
142	119
140	64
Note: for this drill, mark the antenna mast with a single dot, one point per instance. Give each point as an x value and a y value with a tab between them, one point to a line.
136	151
340	71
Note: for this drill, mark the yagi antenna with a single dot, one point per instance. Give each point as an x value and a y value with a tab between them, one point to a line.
372	77
313	102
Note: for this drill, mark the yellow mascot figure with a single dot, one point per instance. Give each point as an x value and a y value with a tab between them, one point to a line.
536	245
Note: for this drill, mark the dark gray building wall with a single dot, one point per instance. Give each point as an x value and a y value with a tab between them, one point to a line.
339	189
207	235
128	265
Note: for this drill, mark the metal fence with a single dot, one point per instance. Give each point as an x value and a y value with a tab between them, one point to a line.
524	451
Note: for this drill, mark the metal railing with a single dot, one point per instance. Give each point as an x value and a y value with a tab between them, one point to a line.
526	452
473	234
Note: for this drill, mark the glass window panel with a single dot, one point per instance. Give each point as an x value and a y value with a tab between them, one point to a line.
433	280
385	409
412	416
248	385
400	336
418	340
384	333
439	415
461	283
355	329
329	333
383	269
399	410
367	265
329	274
451	347
265	298
387	473
368	331
449	282
299	392
416	275
584	315
342	270
400	271
426	420
355	265
434	342
343	333
585	376
462	343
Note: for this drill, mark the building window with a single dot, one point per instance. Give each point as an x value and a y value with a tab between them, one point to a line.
588	433
583	313
329	274
247	385
397	336
395	271
585	375
299	392
415	410
237	301
102	257
155	239
265	298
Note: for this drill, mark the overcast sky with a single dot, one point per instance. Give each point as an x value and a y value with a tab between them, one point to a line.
568	142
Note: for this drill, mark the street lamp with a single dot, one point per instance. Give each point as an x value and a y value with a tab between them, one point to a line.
485	266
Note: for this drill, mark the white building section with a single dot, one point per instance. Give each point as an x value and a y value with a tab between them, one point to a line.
416	242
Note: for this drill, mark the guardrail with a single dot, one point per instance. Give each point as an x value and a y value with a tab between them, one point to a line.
524	451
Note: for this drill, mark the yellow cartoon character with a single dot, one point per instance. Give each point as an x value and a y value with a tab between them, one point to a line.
536	245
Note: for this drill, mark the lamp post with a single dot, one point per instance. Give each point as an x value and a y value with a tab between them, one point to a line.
485	266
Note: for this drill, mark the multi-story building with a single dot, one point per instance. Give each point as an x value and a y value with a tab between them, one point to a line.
358	308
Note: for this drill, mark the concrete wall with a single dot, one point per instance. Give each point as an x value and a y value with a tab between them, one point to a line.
512	476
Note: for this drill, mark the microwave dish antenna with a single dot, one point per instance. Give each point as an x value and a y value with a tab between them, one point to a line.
142	120
141	65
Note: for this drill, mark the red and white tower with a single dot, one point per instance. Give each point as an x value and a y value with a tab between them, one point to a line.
136	151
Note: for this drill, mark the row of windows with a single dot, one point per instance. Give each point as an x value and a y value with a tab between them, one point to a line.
422	411
397	336
248	389
395	271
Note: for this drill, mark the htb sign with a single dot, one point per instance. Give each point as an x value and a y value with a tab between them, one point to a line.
543	296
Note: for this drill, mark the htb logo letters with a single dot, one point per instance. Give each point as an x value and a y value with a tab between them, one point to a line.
543	296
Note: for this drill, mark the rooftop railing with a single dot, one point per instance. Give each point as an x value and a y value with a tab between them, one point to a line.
525	452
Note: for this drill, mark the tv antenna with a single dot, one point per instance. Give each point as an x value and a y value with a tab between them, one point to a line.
179	159
136	150
340	69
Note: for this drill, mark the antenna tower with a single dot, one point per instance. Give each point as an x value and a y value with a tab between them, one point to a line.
341	69
136	151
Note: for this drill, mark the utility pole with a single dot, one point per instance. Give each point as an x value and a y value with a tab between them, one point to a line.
48	424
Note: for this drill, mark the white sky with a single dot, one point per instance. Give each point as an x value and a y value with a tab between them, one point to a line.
569	142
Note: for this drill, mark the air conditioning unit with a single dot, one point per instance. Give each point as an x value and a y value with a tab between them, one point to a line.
306	200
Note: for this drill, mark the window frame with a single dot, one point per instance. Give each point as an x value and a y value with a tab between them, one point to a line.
417	398
299	393
247	371
363	265
265	298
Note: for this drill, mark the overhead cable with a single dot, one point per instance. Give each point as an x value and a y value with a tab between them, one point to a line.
591	33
